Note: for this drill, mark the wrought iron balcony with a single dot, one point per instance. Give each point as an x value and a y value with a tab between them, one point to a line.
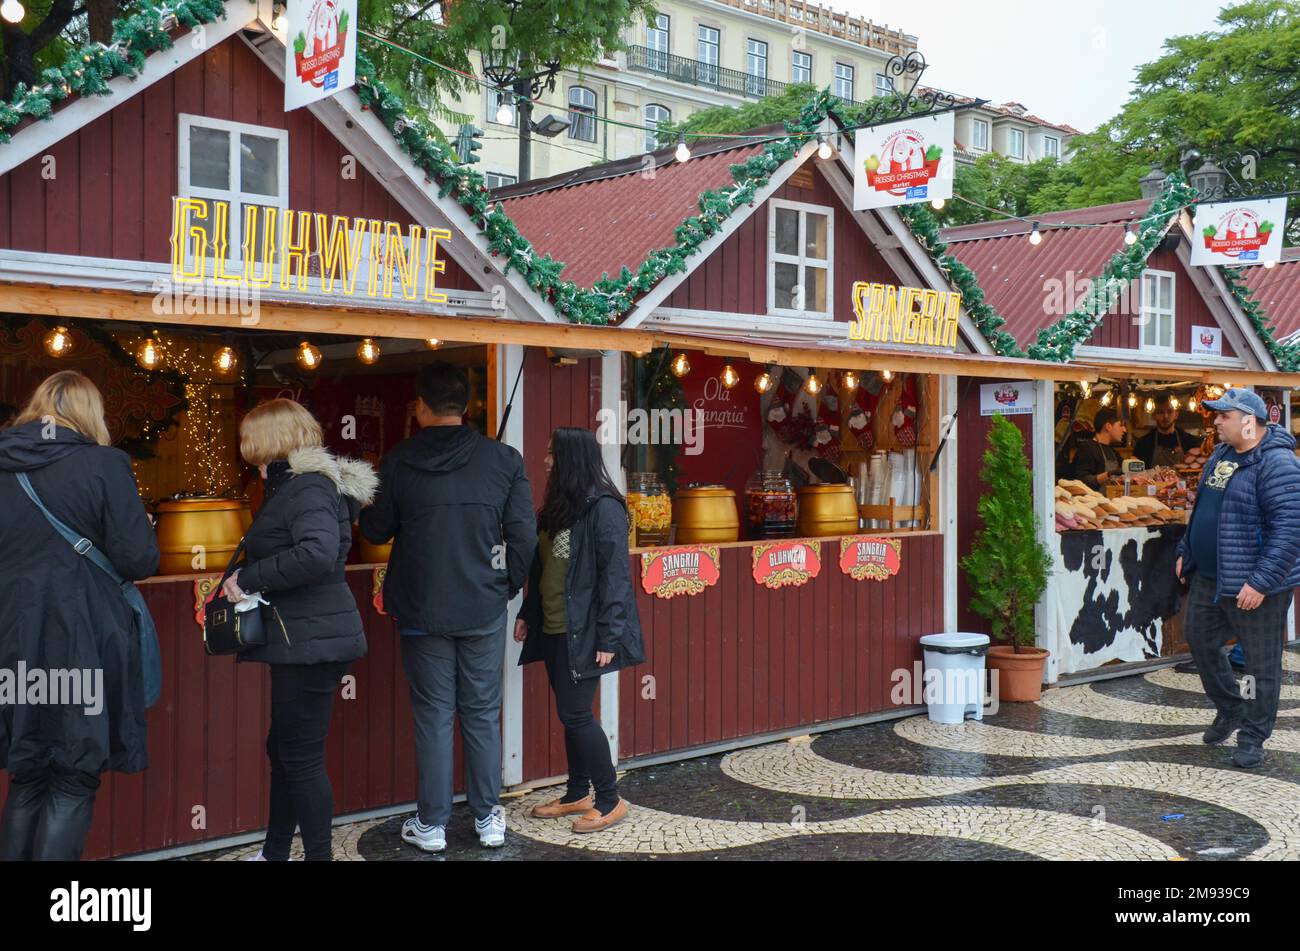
695	72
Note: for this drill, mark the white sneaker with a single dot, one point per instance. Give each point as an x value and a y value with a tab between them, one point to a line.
492	830
259	857
428	838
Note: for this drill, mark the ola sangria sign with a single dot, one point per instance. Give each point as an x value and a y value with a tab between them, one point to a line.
1232	234
903	162
322	55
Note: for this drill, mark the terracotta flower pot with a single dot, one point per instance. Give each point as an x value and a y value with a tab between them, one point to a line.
1020	676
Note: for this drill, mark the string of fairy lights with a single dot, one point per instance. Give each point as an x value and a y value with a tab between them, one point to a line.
847	380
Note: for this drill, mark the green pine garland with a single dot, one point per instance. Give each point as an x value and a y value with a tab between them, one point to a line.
1287	355
1058	342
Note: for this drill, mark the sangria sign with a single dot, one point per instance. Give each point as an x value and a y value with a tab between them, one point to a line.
903	162
322	56
1236	233
863	557
668	572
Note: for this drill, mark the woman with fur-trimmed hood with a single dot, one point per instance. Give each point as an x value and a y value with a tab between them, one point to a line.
295	551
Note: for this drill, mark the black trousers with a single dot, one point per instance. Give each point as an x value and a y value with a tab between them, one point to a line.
1261	632
47	815
585	743
302	699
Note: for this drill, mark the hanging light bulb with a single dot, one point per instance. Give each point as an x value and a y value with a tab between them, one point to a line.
308	356
368	352
58	342
763	382
1192	404
812	386
1035	236
1270	264
149	354
224	360
1174	403
824	148
680	365
1149	405
1226	386
887	375
1086	387
729	376
683	151
638	354
937	204
1132	400
505	110
1106	398
433	343
849	381
12	11
1131	236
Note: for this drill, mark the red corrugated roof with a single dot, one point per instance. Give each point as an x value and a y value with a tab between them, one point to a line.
1015	275
603	222
1277	290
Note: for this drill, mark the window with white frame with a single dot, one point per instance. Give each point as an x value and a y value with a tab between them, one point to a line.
799	255
1157	311
582	114
655	116
657	41
801	67
844	81
981	135
708	49
1015	143
755	68
497	179
496	98
884	84
238	166
1051	147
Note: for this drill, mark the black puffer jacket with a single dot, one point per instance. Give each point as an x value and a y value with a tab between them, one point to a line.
599	600
59	611
295	552
451	499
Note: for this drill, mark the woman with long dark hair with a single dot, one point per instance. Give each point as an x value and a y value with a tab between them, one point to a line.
579	617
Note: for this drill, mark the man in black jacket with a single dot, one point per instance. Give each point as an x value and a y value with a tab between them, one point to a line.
460	512
1095	462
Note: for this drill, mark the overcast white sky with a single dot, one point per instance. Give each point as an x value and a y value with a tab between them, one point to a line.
1069	62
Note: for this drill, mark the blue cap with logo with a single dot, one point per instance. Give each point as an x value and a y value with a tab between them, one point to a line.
1243	400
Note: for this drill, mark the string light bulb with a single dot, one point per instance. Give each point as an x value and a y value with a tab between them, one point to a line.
225	360
1086	387
887	375
12	11
729	377
680	366
1192	404
308	356
937	204
58	342
433	343
683	151
812	386
368	352
1131	236
1149	405
1270	264
849	381
149	354
505	111
824	148
1132	400
1174	403
1106	398
763	382
1035	236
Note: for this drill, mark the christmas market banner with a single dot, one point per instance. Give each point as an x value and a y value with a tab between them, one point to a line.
1236	233
322	56
904	162
787	564
668	572
1007	399
863	557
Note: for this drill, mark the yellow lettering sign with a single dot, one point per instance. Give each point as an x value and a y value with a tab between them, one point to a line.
906	316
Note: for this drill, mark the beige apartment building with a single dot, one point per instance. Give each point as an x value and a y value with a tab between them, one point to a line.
698	54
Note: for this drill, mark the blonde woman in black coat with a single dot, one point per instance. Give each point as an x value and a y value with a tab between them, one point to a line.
295	552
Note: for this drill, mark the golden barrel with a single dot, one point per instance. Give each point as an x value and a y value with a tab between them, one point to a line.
215	526
707	515
826	510
369	553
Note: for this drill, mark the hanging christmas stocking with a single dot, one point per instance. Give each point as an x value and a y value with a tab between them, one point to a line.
863	411
780	411
904	418
826	432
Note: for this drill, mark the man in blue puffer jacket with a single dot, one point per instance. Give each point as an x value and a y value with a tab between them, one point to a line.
1242	554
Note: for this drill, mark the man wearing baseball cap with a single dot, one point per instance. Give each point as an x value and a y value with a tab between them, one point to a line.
1241	553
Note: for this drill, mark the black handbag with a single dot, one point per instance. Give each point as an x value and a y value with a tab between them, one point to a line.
225	630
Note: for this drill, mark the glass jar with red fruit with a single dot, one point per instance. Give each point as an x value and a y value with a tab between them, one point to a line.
770	506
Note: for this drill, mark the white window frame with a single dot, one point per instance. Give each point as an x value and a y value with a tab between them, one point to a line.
650	142
795	66
234	197
577	115
1051	152
662	26
707	69
886	88
756	83
975	130
500	177
1151	314
1011	137
801	259
841	77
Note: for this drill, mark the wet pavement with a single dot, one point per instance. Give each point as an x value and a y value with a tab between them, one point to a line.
1110	770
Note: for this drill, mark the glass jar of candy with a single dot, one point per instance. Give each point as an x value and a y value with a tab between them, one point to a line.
651	508
769	506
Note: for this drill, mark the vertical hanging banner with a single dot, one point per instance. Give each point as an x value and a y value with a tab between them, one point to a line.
1235	233
322	56
904	162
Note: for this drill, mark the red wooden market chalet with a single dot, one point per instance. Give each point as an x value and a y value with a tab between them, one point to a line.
738	662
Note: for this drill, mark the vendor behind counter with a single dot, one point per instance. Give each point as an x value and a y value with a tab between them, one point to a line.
1166	444
1095	461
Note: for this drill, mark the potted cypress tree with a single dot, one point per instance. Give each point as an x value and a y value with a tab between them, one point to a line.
1008	565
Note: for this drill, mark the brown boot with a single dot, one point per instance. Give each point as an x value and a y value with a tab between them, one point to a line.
555	808
593	821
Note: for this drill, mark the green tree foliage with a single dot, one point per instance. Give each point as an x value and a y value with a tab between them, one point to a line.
1008	565
732	120
47	31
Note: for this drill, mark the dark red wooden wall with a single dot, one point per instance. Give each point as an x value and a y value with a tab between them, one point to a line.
116	176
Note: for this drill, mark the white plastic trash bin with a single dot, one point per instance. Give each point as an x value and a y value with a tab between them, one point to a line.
954	676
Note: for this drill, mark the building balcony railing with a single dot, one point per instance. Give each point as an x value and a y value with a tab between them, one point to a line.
643	59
